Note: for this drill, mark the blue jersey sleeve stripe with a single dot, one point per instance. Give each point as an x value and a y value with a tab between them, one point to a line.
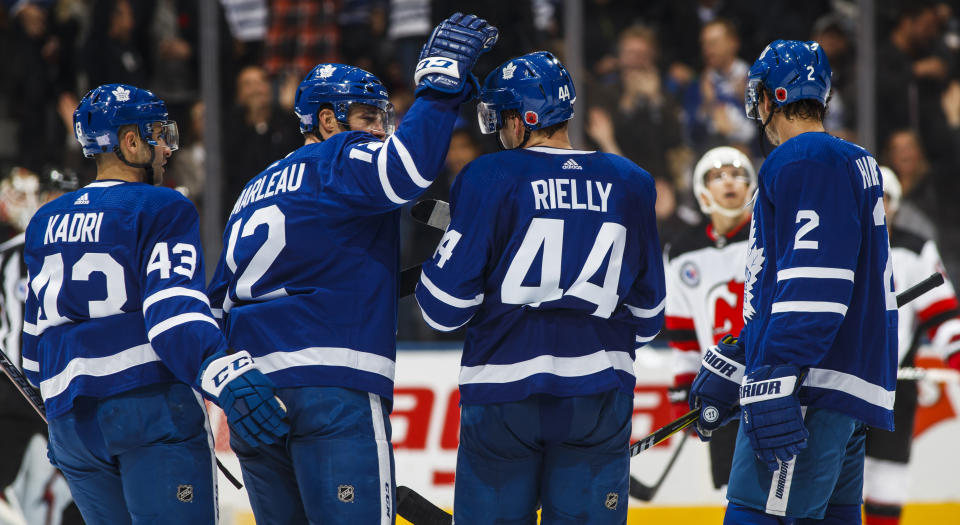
40	327
408	163
851	385
547	364
30	329
176	291
384	178
446	298
30	365
815	272
98	367
327	356
645	313
808	307
177	320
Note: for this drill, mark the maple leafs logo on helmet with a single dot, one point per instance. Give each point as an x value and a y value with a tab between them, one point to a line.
122	95
326	71
508	71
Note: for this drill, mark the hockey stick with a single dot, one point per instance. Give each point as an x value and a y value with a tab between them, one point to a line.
33	397
409	278
933	375
432	212
644	492
418	510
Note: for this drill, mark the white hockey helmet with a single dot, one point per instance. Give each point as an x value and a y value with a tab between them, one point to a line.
892	188
717	158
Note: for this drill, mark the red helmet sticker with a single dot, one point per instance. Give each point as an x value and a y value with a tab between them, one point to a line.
781	94
531	118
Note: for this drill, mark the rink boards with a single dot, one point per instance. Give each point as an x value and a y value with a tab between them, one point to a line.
425	423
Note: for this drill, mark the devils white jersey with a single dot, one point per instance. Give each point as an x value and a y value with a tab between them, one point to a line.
704	275
935	313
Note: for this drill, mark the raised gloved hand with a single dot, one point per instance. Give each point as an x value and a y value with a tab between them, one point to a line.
716	390
452	50
772	419
246	395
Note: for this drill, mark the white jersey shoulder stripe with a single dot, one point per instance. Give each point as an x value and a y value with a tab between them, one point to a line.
178	320
647	339
30	365
408	163
103	183
446	298
850	384
547	364
559	151
326	356
815	272
97	367
645	313
808	307
176	291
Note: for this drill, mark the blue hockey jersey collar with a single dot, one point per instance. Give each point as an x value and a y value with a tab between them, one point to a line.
559	151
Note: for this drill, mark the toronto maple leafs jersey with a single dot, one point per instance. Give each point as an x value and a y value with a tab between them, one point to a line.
819	281
116	296
935	314
553	261
704	275
307	280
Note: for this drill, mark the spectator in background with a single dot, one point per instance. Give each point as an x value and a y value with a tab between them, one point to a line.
905	156
110	53
911	74
247	21
673	218
408	26
37	77
834	34
175	71
714	103
632	115
363	25
259	132
188	172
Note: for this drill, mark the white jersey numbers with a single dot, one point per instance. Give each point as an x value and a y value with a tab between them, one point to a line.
48	283
812	220
274	219
160	260
548	234
446	246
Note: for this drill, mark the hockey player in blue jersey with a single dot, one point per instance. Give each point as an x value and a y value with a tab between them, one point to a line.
820	334
309	275
552	261
117	329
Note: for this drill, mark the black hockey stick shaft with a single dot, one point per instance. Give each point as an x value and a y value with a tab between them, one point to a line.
919	289
644	492
409	277
33	397
418	510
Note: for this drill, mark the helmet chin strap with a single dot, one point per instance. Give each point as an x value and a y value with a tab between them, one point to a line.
147	166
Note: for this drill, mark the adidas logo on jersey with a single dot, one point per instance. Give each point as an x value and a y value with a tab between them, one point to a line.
571	164
84	199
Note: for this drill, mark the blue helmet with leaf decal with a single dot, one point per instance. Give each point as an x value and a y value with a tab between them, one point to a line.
105	109
340	86
536	85
790	69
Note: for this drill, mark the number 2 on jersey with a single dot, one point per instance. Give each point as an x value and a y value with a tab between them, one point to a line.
274	219
548	233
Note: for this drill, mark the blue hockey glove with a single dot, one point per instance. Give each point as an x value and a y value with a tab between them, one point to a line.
772	419
447	58
246	395
716	390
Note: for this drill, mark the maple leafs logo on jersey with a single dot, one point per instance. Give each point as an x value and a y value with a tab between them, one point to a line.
326	71
122	95
754	266
508	71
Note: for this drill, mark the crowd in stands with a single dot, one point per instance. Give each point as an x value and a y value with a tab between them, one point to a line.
663	82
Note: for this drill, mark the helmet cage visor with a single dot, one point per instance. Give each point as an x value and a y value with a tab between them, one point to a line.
165	130
493	102
387	114
751	98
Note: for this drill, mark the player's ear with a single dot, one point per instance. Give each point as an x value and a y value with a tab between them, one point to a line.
130	142
327	123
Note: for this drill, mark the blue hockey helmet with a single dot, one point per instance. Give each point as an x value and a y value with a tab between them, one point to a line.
536	84
340	86
790	69
104	109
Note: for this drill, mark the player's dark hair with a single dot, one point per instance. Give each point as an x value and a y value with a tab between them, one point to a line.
121	131
549	131
805	109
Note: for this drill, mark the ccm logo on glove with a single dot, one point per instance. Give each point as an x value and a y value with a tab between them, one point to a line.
227	368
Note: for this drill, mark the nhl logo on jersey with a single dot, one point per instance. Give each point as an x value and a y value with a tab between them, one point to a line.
345	493
690	274
185	493
612	500
781	94
531	117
